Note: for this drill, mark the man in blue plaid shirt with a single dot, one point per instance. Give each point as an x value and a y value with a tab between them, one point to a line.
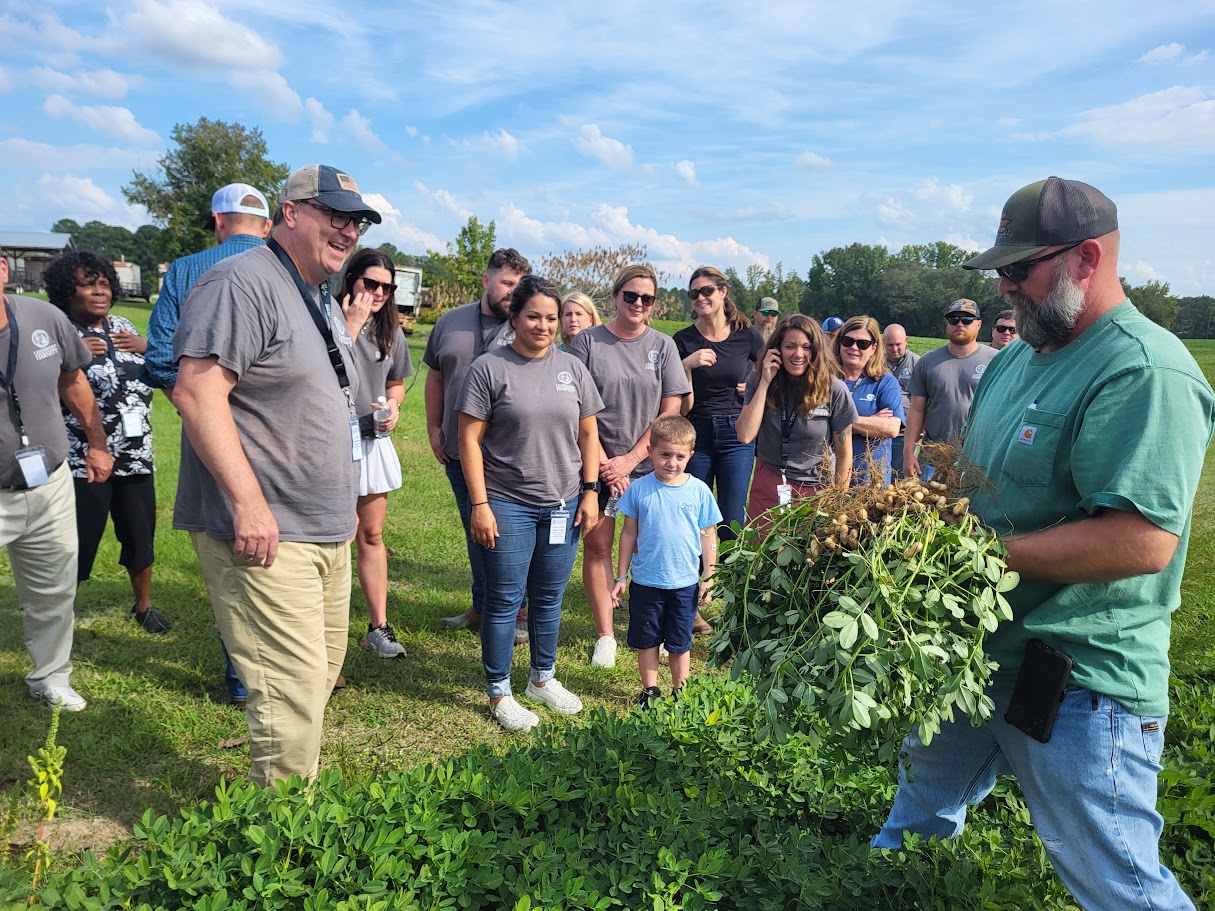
240	218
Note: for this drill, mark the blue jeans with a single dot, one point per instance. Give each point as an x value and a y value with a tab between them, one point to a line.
236	689
720	458
896	457
455	476
1091	794
523	563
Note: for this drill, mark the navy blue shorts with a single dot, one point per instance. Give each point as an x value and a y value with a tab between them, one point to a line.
662	616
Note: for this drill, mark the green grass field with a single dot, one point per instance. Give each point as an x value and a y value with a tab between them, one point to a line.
158	732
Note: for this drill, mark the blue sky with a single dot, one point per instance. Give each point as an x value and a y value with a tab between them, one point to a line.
711	132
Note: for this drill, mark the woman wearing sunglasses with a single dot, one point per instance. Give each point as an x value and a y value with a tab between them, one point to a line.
578	312
382	361
638	373
875	393
795	409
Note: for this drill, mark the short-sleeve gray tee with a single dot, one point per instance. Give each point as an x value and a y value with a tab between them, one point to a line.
459	338
811	434
290	412
531	408
948	383
375	372
633	375
47	347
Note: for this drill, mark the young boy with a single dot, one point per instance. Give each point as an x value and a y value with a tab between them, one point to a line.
671	522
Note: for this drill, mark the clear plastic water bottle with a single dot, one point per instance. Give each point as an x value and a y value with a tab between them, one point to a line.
380	416
610	511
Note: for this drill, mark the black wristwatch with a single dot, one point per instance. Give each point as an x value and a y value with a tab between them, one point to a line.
591	485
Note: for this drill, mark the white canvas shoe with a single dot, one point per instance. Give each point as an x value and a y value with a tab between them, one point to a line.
512	716
555	696
605	652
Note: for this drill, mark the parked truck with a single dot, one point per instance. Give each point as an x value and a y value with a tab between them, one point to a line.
130	281
408	296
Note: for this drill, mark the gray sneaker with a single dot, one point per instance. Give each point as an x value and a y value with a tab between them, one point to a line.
383	641
64	696
512	716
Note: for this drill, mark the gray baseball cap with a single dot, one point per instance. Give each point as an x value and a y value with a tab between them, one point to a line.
328	186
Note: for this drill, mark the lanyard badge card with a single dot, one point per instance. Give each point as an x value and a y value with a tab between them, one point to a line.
784	491
558	524
32	462
30	459
132	424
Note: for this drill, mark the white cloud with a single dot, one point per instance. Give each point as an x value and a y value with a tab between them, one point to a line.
103	83
396	230
591	142
809	161
80	199
951	197
1168	53
413	133
1171	118
18	153
443	200
270	89
353	125
194	33
1139	272
686	171
105	119
892	212
359	127
503	143
320	119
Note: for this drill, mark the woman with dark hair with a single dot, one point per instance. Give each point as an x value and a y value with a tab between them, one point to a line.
529	448
796	407
82	285
382	359
638	374
875	392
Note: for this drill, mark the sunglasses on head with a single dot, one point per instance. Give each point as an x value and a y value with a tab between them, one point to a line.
862	344
631	297
372	285
1000	327
704	291
1018	272
960	318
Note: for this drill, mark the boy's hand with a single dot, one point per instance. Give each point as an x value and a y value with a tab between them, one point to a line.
617	591
706	591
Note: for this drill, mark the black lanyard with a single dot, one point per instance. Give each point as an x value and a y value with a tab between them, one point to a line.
788	418
493	334
8	379
322	325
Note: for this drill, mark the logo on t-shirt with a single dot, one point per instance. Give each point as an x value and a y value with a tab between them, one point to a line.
1026	434
979	371
653	357
506	337
565	381
868	397
43	346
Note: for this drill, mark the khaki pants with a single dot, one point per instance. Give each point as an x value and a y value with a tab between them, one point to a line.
285	628
39	528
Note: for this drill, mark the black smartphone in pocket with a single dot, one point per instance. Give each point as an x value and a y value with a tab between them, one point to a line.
1044	677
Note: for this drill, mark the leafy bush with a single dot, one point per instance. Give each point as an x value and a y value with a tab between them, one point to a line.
681	807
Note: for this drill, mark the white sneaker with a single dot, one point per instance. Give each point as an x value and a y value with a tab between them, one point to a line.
605	652
512	716
555	696
383	641
662	651
521	633
64	696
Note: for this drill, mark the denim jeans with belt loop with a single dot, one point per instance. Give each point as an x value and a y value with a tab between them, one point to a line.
721	460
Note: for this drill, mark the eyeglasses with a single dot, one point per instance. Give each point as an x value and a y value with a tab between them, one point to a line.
704	291
631	297
337	219
373	286
955	319
770	312
863	344
1002	328
1018	272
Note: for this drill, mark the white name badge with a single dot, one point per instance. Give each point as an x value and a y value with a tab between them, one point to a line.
558	525
356	439
32	462
132	424
784	494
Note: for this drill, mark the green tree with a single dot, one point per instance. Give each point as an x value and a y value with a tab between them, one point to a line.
459	270
845	281
1154	301
144	247
208	155
1195	317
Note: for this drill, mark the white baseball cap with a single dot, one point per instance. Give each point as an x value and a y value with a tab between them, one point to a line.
231	199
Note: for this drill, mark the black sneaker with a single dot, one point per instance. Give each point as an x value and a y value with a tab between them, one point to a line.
152	620
648	695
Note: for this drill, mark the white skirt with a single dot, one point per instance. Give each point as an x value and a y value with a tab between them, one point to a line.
380	469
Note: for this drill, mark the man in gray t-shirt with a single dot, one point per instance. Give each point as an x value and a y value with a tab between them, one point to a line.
458	338
900	361
944	381
41	357
271	416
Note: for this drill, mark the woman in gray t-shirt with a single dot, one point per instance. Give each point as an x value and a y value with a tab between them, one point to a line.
529	449
796	409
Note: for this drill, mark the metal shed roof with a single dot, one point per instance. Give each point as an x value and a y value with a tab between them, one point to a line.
34	242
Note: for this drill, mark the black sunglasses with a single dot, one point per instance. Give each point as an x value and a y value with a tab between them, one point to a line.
630	297
1018	272
864	344
955	319
703	291
338	219
1002	328
373	286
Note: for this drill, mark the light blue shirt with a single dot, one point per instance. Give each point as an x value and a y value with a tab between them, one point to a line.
669	520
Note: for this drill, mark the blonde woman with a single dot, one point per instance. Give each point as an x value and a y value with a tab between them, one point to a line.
578	312
875	392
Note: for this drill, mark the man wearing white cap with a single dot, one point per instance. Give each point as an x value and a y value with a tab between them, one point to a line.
240	218
266	390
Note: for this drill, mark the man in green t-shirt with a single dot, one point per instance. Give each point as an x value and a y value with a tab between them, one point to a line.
1090	438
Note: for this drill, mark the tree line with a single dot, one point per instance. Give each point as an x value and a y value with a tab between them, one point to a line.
911	285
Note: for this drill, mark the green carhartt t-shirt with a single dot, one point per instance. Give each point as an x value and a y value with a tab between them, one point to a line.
1118	419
